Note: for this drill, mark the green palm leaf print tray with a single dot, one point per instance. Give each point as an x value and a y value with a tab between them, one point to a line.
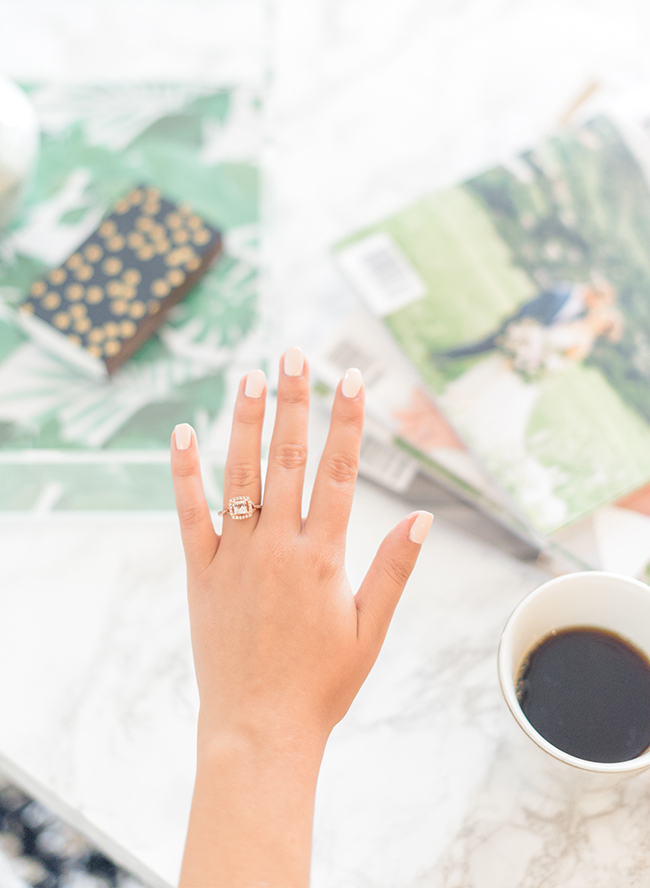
68	443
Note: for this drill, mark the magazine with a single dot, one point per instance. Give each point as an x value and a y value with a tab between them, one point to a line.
522	298
408	447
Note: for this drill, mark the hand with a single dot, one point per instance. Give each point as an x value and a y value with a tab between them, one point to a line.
281	644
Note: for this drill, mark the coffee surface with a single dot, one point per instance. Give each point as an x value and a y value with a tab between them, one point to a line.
587	691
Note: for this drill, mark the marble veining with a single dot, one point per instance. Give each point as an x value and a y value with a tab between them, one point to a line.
423	784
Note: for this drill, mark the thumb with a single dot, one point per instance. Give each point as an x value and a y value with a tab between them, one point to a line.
384	583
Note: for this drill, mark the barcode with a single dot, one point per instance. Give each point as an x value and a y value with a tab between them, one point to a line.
382	462
346	354
381	273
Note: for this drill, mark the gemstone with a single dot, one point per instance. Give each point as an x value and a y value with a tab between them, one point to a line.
241	507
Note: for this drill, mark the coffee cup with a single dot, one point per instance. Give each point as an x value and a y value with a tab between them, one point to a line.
607	605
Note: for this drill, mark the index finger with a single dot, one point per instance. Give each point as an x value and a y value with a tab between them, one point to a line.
331	501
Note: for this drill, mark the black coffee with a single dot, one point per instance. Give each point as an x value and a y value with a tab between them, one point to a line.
587	692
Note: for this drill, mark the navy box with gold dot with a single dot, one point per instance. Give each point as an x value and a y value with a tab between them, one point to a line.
112	293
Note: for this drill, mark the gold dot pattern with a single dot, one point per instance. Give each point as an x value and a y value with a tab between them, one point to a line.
108	228
175	277
115	243
115	289
112	265
127	329
201	237
135	239
62	320
128	270
93	252
146	252
132	277
74	292
161	288
97	334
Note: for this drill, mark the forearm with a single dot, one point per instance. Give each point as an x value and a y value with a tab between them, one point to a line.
252	814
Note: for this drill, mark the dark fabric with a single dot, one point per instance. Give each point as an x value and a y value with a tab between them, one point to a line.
49	853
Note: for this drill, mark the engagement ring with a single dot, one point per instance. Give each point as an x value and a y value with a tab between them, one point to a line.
240	507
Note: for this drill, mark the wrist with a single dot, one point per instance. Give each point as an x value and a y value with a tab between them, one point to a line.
252	808
275	744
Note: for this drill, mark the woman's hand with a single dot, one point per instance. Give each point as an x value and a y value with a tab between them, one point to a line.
281	644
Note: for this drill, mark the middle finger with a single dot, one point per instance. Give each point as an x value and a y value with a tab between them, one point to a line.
288	449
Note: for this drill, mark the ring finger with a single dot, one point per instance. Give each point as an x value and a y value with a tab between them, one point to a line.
242	476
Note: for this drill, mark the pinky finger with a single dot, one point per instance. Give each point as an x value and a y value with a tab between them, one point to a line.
200	540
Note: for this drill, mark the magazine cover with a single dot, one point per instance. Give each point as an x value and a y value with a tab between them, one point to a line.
71	443
523	299
408	447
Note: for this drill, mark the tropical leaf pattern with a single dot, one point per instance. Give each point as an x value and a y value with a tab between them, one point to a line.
69	443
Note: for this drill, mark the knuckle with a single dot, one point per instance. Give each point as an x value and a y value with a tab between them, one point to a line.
189	515
241	475
248	414
296	396
397	572
350	416
185	468
291	456
327	565
341	469
278	556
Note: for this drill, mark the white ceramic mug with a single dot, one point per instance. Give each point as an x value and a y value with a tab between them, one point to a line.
18	147
601	600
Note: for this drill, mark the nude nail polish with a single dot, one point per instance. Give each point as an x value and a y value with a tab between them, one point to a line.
255	382
294	361
352	382
420	527
183	436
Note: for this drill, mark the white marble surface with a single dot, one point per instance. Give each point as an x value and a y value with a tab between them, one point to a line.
371	102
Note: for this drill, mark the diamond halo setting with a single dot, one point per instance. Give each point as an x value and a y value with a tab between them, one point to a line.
240	507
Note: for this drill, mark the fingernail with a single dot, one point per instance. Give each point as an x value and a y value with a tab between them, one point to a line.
255	382
294	361
183	436
352	382
420	527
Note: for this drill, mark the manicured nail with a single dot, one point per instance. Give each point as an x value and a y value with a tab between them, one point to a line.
420	527
294	361
352	382
255	382
183	436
